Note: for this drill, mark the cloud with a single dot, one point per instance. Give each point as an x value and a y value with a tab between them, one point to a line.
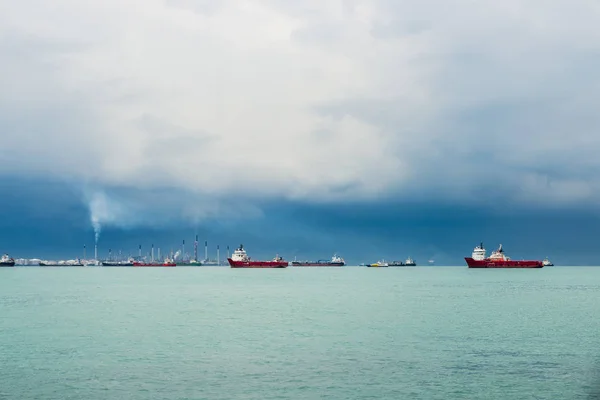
313	101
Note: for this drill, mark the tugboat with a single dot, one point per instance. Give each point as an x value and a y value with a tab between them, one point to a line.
498	260
7	261
334	262
240	259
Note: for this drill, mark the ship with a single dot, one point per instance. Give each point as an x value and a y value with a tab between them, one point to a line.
408	263
7	261
117	263
166	263
498	260
547	263
240	259
335	261
396	264
380	263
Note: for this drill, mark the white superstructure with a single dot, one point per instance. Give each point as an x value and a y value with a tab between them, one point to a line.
498	255
337	259
240	254
479	253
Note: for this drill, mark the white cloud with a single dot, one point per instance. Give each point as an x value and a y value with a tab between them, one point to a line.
305	100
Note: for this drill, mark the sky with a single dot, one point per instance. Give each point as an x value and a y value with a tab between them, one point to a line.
374	129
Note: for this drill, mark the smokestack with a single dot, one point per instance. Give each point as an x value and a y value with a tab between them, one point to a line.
196	249
206	250
140	251
95	252
227	251
152	258
84	255
183	250
218	263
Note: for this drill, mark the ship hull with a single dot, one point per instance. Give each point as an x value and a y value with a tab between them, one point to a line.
503	264
257	264
7	264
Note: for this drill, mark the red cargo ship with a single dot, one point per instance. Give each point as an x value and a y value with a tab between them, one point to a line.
498	260
166	263
239	259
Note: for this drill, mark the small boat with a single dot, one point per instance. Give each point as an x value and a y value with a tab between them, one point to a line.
547	263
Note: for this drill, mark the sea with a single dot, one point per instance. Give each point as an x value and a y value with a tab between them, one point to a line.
299	333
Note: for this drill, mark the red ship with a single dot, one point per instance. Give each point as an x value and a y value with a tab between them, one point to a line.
498	260
166	263
239	259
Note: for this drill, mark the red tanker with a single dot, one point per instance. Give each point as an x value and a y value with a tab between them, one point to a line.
239	259
498	260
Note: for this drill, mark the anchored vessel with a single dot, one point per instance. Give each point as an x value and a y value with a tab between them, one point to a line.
239	259
380	263
7	261
408	263
335	261
166	263
498	260
128	263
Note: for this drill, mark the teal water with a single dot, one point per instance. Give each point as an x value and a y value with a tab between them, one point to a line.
312	333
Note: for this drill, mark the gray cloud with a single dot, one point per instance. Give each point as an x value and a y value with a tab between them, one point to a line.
277	99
